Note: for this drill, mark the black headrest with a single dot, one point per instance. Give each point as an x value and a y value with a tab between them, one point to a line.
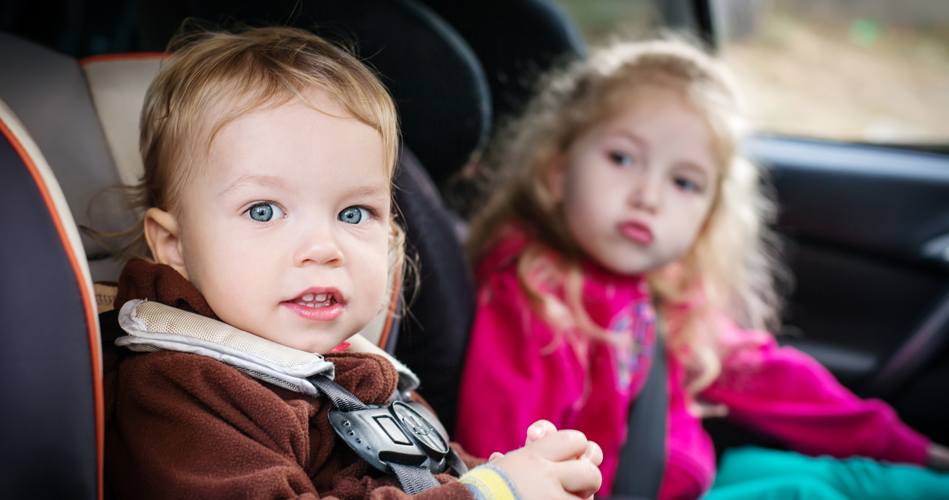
516	41
435	78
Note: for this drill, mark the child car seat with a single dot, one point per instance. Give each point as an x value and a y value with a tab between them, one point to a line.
53	396
444	108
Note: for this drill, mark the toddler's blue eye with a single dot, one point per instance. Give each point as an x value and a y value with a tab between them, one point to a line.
353	215
623	160
264	212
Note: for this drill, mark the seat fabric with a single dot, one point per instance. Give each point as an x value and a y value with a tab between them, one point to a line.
48	93
434	77
516	42
434	332
51	388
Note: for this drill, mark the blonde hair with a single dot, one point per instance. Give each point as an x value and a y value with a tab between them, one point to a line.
733	259
213	78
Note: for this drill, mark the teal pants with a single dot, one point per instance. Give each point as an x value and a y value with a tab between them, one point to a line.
762	474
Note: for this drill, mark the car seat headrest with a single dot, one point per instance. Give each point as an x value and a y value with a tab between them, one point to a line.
117	83
516	42
434	77
48	92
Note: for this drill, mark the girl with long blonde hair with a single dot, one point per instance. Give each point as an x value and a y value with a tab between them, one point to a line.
621	200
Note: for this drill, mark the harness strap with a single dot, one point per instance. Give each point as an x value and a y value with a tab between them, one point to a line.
414	480
454	461
342	399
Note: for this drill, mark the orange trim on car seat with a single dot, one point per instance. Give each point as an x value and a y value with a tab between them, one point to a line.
87	301
393	302
122	57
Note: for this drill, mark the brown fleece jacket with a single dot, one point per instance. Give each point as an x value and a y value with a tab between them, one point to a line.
185	426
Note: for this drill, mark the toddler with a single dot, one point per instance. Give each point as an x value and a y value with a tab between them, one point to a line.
267	206
621	194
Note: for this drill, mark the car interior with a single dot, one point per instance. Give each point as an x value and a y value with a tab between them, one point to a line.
866	227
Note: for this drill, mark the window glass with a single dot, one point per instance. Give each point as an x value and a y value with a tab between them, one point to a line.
849	70
601	19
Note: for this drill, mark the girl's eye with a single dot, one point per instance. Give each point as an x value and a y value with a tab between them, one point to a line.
621	159
354	215
687	185
265	212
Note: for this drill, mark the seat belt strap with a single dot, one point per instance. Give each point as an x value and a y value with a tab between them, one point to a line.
643	458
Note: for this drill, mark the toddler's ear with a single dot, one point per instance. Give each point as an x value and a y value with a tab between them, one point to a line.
162	234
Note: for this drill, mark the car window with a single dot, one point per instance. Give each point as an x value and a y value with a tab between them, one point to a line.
601	19
873	71
869	71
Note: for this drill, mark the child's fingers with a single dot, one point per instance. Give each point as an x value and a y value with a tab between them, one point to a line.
494	456
538	430
579	477
593	453
561	445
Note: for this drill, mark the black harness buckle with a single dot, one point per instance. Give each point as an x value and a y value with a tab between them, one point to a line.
396	433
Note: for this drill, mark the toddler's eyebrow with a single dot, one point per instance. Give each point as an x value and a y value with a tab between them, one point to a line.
271	181
370	191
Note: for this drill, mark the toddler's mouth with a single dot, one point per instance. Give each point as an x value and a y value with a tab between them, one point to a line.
318	304
316	300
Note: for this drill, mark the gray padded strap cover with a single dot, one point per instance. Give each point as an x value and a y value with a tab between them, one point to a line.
152	326
196	334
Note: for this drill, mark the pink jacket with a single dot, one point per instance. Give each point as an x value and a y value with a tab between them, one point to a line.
518	372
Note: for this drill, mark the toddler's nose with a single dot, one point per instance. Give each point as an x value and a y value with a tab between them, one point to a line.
318	247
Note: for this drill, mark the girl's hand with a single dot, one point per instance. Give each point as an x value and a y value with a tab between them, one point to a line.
938	457
553	464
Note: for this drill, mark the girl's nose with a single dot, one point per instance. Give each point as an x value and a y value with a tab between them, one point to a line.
319	247
647	192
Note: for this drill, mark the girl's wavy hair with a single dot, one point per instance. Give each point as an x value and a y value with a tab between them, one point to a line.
733	261
213	78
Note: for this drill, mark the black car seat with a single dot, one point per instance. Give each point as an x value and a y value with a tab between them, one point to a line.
516	41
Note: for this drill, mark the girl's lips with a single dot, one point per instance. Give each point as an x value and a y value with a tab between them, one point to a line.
636	231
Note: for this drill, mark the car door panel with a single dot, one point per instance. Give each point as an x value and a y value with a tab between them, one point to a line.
866	231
